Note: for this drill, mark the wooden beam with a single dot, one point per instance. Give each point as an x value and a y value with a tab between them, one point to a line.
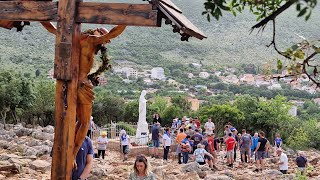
117	13
66	70
28	10
88	12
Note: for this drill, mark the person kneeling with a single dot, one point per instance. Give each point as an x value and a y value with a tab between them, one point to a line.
201	156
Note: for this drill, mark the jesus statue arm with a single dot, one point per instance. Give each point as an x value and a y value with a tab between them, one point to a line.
116	31
50	27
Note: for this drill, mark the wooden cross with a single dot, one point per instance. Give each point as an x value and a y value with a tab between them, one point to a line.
69	14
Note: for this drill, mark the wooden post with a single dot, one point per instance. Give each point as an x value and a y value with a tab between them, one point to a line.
66	67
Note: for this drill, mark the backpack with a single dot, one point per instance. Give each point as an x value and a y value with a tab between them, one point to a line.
185	147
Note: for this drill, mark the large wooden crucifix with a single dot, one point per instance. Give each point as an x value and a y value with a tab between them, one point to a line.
69	14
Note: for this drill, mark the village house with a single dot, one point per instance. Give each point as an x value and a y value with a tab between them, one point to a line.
157	73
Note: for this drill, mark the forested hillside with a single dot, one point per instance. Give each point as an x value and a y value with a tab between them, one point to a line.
228	42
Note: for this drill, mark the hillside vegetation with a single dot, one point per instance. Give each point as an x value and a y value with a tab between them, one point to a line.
228	42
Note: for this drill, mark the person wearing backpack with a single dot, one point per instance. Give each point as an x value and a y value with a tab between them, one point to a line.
125	142
202	156
245	144
185	149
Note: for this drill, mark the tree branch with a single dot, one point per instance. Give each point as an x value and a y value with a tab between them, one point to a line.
305	64
274	14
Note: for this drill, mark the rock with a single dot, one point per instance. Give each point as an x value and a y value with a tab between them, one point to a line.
314	161
4	144
40	165
42	150
13	168
48	143
188	176
48	129
202	174
42	135
34	142
217	177
17	161
273	172
30	152
99	172
190	167
4	157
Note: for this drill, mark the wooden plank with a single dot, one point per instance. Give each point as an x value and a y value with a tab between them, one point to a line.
28	10
67	54
88	12
117	13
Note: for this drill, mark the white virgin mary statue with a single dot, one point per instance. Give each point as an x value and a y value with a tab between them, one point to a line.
142	129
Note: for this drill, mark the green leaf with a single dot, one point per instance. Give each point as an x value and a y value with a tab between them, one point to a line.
294	47
303	11
279	64
225	8
308	16
256	13
204	12
208	17
233	12
298	7
218	11
299	54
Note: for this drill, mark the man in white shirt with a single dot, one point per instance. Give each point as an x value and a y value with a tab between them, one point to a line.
209	126
283	161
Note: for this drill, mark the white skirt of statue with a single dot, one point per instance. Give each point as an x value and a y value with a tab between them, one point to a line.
142	129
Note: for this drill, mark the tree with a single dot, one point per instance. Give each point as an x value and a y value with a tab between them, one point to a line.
15	92
158	106
131	111
181	102
301	55
107	107
43	105
221	115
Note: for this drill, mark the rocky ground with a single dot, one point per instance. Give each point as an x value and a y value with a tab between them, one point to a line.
24	155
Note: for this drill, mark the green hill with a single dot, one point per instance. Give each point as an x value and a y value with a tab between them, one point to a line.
228	42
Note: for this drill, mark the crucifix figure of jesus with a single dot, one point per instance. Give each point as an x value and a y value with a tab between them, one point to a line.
90	43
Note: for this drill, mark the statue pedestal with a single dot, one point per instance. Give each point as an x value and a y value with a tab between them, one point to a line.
142	134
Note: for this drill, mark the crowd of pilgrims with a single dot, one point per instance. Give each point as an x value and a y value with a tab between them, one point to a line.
203	145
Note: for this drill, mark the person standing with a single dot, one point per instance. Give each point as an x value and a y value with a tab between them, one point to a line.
92	127
301	162
102	142
157	119
179	138
197	138
155	132
245	144
283	161
186	149
230	145
209	126
261	152
197	122
125	141
254	145
166	143
278	141
84	160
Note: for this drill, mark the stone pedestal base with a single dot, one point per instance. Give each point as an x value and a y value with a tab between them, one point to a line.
142	134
